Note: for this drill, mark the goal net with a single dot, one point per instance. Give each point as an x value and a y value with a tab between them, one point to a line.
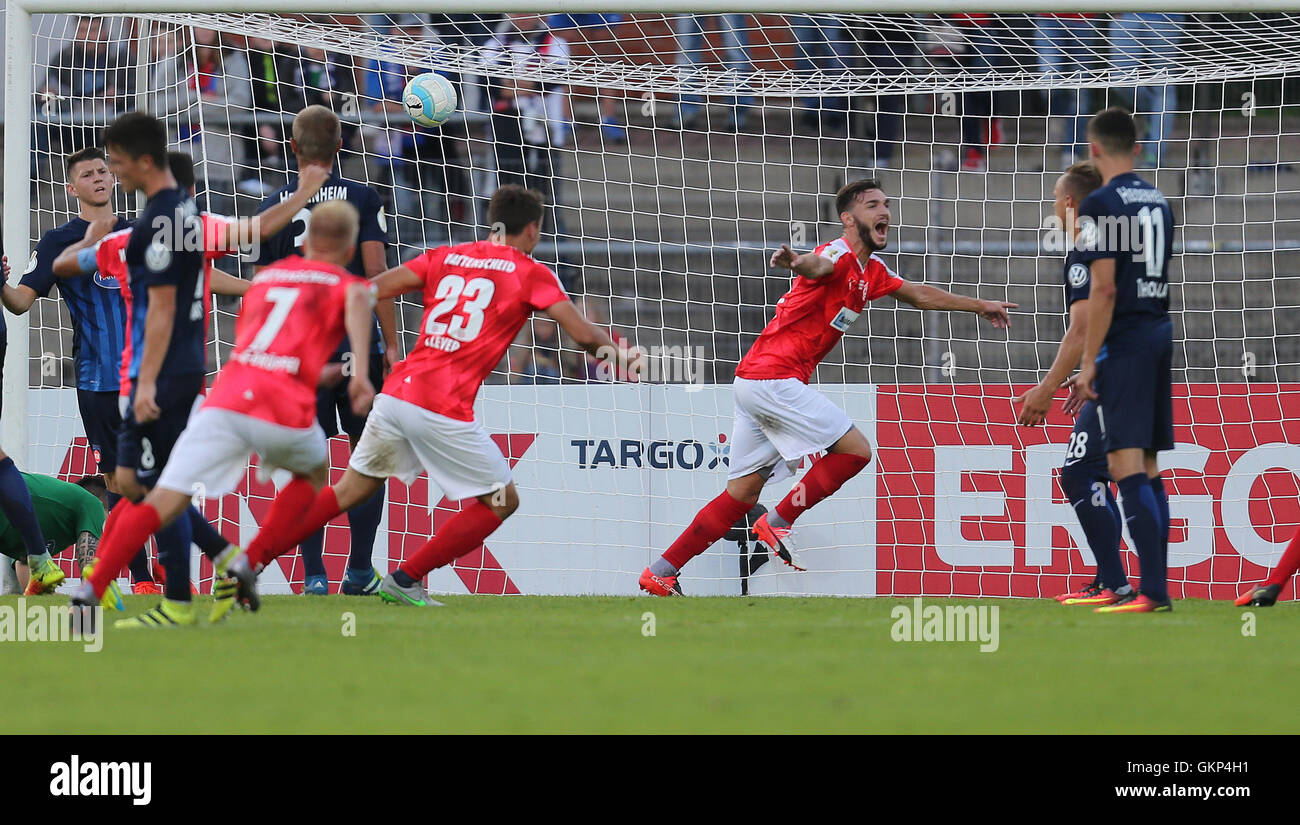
676	153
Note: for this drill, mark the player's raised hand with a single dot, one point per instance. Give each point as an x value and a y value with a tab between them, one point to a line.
784	257
1037	401
996	313
361	393
312	177
98	228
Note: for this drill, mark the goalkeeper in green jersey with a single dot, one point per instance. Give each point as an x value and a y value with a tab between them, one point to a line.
70	515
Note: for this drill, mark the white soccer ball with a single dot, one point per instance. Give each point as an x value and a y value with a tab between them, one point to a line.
430	99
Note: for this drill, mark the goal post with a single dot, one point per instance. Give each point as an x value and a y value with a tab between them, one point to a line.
663	232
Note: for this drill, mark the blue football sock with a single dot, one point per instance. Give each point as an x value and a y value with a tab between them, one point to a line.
311	549
204	534
1142	515
363	523
16	502
174	542
1162	506
1093	503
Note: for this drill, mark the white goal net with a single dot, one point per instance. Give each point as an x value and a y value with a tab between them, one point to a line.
676	153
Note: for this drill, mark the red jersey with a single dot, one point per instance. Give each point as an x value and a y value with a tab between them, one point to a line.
477	296
110	258
289	325
812	317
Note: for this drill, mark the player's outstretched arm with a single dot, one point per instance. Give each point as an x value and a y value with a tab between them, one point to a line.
931	297
1101	309
809	264
266	224
396	281
594	340
223	283
356	320
1038	400
71	263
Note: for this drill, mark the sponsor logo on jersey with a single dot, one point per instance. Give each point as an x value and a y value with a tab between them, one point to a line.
105	281
1078	275
1152	289
844	319
157	257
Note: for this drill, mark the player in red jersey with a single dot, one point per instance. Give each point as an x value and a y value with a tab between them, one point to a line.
264	400
477	297
779	419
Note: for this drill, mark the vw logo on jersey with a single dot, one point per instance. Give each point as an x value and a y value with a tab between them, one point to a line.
157	257
1078	275
106	281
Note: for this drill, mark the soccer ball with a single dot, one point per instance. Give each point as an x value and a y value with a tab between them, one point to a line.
430	99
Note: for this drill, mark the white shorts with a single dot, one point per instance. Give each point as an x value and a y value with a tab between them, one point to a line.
211	456
778	422
402	438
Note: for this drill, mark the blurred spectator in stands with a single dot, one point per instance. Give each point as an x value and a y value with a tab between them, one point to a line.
822	43
273	71
426	167
588	367
535	357
692	46
525	41
888	45
1149	42
593	29
206	84
330	80
985	52
89	80
1068	43
473	32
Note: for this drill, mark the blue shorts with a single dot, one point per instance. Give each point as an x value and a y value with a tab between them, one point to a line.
1135	387
1087	449
146	447
334	408
103	424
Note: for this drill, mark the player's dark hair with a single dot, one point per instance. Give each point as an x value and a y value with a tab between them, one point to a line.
849	193
138	134
182	166
1082	179
513	207
1114	129
316	134
95	486
81	155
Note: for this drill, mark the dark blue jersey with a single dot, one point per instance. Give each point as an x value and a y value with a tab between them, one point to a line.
166	249
94	305
288	241
1130	221
1078	280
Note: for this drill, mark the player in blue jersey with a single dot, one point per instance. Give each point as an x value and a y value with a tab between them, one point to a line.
317	137
1085	477
96	311
165	261
1126	237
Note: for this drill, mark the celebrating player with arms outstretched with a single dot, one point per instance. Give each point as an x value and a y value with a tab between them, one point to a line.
477	297
1128	353
1085	477
264	400
779	418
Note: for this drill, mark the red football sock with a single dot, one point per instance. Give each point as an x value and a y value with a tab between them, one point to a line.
710	524
131	528
1288	565
462	533
297	512
823	478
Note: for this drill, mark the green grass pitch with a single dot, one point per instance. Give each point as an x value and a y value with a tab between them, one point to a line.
747	665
